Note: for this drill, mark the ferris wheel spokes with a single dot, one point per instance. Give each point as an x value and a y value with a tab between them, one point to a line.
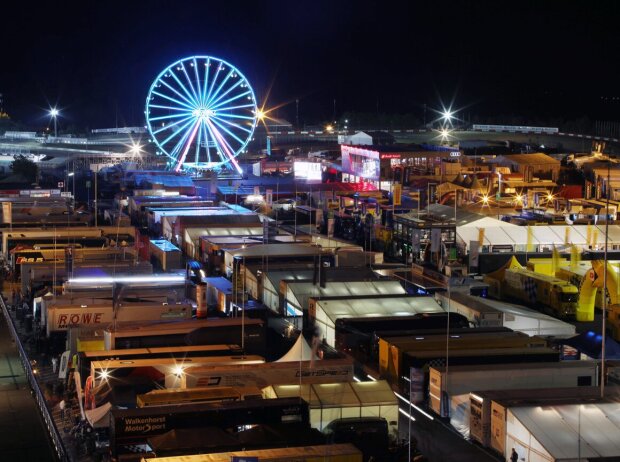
169	98
208	95
181	160
169	127
184	98
223	144
189	81
214	101
195	66
214	95
184	88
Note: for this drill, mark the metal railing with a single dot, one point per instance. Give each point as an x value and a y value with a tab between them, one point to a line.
57	442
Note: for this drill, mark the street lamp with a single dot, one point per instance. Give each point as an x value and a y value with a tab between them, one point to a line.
54	115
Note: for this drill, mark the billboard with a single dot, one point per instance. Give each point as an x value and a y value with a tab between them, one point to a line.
308	170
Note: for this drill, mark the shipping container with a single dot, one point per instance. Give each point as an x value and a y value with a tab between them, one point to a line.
63	317
130	427
197	396
473	308
275	373
360	336
392	350
173	370
188	332
85	358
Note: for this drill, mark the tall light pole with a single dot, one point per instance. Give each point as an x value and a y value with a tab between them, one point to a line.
54	115
447	117
243	301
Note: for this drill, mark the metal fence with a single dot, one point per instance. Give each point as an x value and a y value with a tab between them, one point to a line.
57	442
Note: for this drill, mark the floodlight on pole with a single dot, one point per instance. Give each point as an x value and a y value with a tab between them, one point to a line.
54	115
136	149
447	115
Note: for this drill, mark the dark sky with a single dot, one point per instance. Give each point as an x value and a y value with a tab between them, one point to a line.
528	58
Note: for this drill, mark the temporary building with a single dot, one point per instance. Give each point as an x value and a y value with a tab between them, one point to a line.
484	312
266	251
297	294
272	280
449	389
192	235
271	284
326	312
331	401
563	433
541	238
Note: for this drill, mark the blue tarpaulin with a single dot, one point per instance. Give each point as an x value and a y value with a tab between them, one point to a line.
590	343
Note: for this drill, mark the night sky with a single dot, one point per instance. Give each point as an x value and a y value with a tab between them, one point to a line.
96	60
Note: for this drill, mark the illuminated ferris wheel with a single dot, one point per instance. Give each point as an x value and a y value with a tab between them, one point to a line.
201	113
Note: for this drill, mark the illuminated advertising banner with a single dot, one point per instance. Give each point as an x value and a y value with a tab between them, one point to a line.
308	170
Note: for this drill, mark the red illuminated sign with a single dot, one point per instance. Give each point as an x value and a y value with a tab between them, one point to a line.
390	156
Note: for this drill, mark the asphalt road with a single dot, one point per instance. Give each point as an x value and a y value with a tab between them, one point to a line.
438	441
22	434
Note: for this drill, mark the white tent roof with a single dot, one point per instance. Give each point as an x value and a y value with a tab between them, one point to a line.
195	233
276	250
300	351
486	222
368	307
299	292
340	394
549	235
570	432
530	322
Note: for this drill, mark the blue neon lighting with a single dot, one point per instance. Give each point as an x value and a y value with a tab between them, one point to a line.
201	113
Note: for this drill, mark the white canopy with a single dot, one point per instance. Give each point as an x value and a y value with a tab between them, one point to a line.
565	432
528	321
331	401
300	351
298	293
549	235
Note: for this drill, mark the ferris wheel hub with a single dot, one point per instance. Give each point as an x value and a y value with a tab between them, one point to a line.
202	113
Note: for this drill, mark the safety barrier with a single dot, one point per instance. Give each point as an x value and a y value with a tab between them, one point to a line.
57	442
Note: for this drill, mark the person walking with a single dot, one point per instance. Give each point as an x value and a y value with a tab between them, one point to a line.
514	457
54	364
62	406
